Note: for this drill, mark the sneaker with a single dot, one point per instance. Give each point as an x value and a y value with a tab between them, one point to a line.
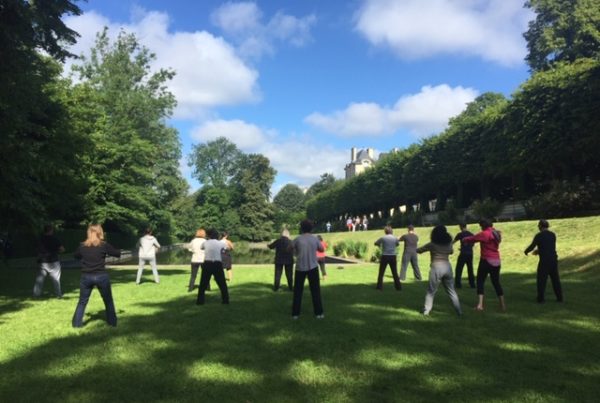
295	317
321	316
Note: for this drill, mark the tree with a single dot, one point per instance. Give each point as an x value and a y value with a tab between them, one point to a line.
121	106
215	162
325	182
289	199
562	31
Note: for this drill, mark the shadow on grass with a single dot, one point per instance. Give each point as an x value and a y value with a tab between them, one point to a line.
372	346
581	263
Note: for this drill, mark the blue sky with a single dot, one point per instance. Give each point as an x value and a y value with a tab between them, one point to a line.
304	81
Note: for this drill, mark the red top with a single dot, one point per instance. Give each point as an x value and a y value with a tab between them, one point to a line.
489	243
322	254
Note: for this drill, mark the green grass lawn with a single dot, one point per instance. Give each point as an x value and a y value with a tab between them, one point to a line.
371	347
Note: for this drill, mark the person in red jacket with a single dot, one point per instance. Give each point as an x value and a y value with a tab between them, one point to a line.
321	257
489	262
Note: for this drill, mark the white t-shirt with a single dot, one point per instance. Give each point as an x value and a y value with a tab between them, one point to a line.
196	248
147	246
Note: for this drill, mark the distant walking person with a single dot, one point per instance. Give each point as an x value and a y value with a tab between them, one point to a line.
365	223
411	240
321	257
213	267
305	247
226	256
92	253
49	247
284	259
465	257
195	246
328	226
545	241
147	253
489	262
440	248
388	244
349	224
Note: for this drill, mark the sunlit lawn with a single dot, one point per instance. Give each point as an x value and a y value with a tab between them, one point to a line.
371	347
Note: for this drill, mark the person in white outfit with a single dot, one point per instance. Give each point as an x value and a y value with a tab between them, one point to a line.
195	246
147	253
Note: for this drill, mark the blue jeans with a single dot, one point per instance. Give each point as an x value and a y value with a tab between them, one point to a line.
86	285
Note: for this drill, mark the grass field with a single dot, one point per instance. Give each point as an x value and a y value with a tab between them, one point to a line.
371	347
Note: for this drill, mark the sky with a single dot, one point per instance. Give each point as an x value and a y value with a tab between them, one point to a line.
303	81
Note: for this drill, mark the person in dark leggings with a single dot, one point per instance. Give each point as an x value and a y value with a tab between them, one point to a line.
213	267
465	257
306	246
388	244
489	262
284	258
92	253
545	241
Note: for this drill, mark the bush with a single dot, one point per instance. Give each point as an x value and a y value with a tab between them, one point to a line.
564	199
360	250
351	248
376	256
339	249
449	215
486	208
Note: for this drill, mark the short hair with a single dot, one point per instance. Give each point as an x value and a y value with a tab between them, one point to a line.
200	233
212	234
485	223
388	230
543	224
306	226
440	235
411	227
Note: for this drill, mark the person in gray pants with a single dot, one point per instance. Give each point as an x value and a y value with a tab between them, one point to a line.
440	248
48	249
410	240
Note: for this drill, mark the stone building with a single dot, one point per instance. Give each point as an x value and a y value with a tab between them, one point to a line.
359	161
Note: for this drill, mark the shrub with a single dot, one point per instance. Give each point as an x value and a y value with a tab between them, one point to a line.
486	208
339	249
360	250
376	256
564	199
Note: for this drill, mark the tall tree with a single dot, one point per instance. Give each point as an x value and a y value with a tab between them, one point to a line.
563	30
122	106
325	182
215	162
290	199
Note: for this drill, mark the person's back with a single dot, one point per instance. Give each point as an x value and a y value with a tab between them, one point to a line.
93	257
388	244
49	247
411	240
438	252
546	245
148	245
306	246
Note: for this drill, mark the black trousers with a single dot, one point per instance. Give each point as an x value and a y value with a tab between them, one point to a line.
482	272
194	274
393	263
545	269
460	263
209	269
289	275
315	291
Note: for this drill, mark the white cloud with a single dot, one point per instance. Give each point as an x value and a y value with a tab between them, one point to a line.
301	158
242	21
209	72
490	29
421	114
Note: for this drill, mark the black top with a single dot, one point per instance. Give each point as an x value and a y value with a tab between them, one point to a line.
48	248
284	250
465	248
92	257
546	245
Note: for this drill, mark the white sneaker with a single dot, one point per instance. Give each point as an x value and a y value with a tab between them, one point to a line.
295	317
321	316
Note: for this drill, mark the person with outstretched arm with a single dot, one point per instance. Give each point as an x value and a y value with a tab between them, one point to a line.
545	242
305	247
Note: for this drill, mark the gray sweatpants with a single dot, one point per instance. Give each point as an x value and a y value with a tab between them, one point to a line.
413	258
441	272
152	261
48	269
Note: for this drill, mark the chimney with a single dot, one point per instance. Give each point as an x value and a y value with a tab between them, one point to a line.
352	154
370	153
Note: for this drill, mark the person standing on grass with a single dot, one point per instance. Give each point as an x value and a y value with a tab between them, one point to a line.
306	246
411	241
489	262
388	244
147	253
440	248
213	266
328	226
321	257
195	246
92	253
545	241
465	257
49	246
226	256
284	259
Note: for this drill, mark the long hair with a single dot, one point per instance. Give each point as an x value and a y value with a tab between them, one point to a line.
95	235
440	236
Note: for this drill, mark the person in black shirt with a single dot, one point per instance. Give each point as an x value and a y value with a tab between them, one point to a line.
49	247
284	258
465	257
92	253
545	241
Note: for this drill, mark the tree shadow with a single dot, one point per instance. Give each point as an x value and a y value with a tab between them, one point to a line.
372	346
